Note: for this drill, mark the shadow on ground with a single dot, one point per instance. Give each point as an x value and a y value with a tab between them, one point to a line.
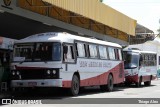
59	93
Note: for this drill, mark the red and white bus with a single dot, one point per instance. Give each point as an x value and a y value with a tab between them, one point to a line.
140	66
67	61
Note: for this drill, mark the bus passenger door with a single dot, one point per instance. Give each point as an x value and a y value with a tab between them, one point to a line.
68	56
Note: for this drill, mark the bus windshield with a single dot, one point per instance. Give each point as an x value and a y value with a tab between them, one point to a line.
131	60
37	52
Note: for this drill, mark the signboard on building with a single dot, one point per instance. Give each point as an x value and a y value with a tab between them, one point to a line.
1	40
7	2
6	43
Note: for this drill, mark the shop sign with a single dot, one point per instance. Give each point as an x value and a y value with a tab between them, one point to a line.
6	43
7	2
1	40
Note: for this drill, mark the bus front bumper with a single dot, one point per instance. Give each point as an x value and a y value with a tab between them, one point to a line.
37	83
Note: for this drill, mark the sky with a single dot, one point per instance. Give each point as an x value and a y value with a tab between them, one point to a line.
146	12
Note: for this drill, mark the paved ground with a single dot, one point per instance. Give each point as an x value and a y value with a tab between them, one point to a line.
123	93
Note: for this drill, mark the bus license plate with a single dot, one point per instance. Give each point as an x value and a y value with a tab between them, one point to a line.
32	84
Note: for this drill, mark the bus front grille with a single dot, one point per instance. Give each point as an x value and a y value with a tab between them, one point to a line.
36	74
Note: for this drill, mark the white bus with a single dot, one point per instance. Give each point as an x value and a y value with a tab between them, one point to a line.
153	46
67	61
140	66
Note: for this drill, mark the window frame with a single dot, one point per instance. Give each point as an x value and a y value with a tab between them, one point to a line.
112	51
97	53
97	48
84	47
74	52
106	49
120	54
33	58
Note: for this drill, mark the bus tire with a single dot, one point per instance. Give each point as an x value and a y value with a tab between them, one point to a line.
147	83
110	83
138	84
17	91
127	84
103	87
75	86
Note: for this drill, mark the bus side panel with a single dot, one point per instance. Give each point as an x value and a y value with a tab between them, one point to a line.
148	73
66	76
95	74
117	72
144	72
132	79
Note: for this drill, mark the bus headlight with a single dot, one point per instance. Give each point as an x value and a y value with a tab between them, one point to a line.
48	72
13	73
18	72
54	72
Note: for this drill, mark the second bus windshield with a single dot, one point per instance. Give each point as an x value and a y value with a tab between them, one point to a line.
131	60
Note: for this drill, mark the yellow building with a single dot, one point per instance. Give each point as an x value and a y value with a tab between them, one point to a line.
86	17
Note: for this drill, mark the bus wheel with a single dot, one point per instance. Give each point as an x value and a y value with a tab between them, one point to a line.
110	83
147	83
16	91
127	84
75	85
103	87
138	84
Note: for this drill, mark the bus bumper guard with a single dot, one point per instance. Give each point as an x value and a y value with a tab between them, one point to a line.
37	83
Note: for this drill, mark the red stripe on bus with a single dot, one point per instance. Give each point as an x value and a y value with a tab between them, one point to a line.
132	78
101	79
135	78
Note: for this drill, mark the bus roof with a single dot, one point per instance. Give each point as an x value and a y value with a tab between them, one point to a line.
138	51
63	37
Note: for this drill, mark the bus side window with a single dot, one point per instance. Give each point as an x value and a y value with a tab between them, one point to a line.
92	51
81	49
103	52
116	54
120	54
155	59
72	52
111	53
68	53
76	49
65	51
85	47
140	60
